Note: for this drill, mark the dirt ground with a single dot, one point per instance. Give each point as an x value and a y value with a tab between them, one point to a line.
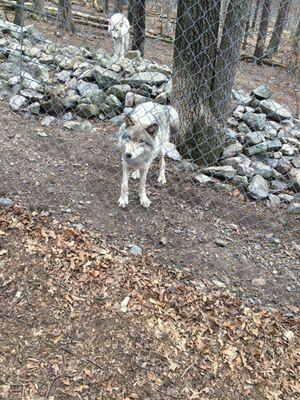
75	176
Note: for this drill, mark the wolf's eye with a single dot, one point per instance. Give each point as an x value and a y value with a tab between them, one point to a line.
141	141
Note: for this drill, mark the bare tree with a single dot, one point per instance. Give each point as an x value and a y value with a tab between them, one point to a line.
255	15
227	57
203	74
281	20
263	31
65	17
39	7
119	5
130	11
19	14
195	51
138	25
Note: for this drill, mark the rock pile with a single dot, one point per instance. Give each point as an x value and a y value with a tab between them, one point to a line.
262	149
42	77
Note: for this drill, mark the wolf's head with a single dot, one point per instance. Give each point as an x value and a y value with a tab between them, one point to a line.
115	26
136	141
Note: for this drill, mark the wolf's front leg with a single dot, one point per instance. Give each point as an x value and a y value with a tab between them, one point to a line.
123	200
145	202
162	166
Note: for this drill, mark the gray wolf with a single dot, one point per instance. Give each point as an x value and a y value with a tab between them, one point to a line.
144	136
119	28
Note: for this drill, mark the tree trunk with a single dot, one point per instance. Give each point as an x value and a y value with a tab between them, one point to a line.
279	25
195	51
263	31
39	7
65	17
247	30
119	5
130	11
19	14
229	54
138	30
255	15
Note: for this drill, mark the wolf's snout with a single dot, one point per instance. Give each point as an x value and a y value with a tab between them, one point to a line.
128	155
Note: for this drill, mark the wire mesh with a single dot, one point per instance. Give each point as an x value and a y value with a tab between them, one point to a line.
230	69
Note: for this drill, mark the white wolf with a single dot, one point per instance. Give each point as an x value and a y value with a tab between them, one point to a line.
143	136
119	28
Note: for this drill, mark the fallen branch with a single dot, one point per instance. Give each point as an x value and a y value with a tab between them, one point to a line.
266	61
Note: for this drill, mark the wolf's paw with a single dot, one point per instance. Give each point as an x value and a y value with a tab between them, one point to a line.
161	180
123	202
135	174
145	202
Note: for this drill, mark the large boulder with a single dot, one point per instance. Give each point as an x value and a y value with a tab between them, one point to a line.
258	188
151	78
262	92
256	122
275	110
226	171
105	78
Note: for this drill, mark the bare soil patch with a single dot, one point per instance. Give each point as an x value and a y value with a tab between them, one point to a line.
76	176
80	319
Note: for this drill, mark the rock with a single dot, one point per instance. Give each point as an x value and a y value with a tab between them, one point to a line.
288	150
253	138
224	186
243	128
258	282
294	176
270	132
294	208
240	163
283	166
135	250
47	121
6	202
233	149
262	169
151	78
262	92
114	103
119	91
134	55
226	171
105	78
296	162
78	126
34	108
202	178
256	122
258	188
71	99
88	89
232	122
32	94
273	201
118	120
277	186
275	110
17	102
64	76
285	198
258	148
240	181
217	283
87	110
274	144
186	166
277	155
241	97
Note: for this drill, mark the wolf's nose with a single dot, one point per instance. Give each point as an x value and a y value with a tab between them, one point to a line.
128	155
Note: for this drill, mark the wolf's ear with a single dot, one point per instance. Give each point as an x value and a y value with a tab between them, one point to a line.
152	129
128	121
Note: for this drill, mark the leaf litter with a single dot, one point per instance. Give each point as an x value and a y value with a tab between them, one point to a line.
81	319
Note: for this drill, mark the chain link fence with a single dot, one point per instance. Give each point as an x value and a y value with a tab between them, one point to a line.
229	68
